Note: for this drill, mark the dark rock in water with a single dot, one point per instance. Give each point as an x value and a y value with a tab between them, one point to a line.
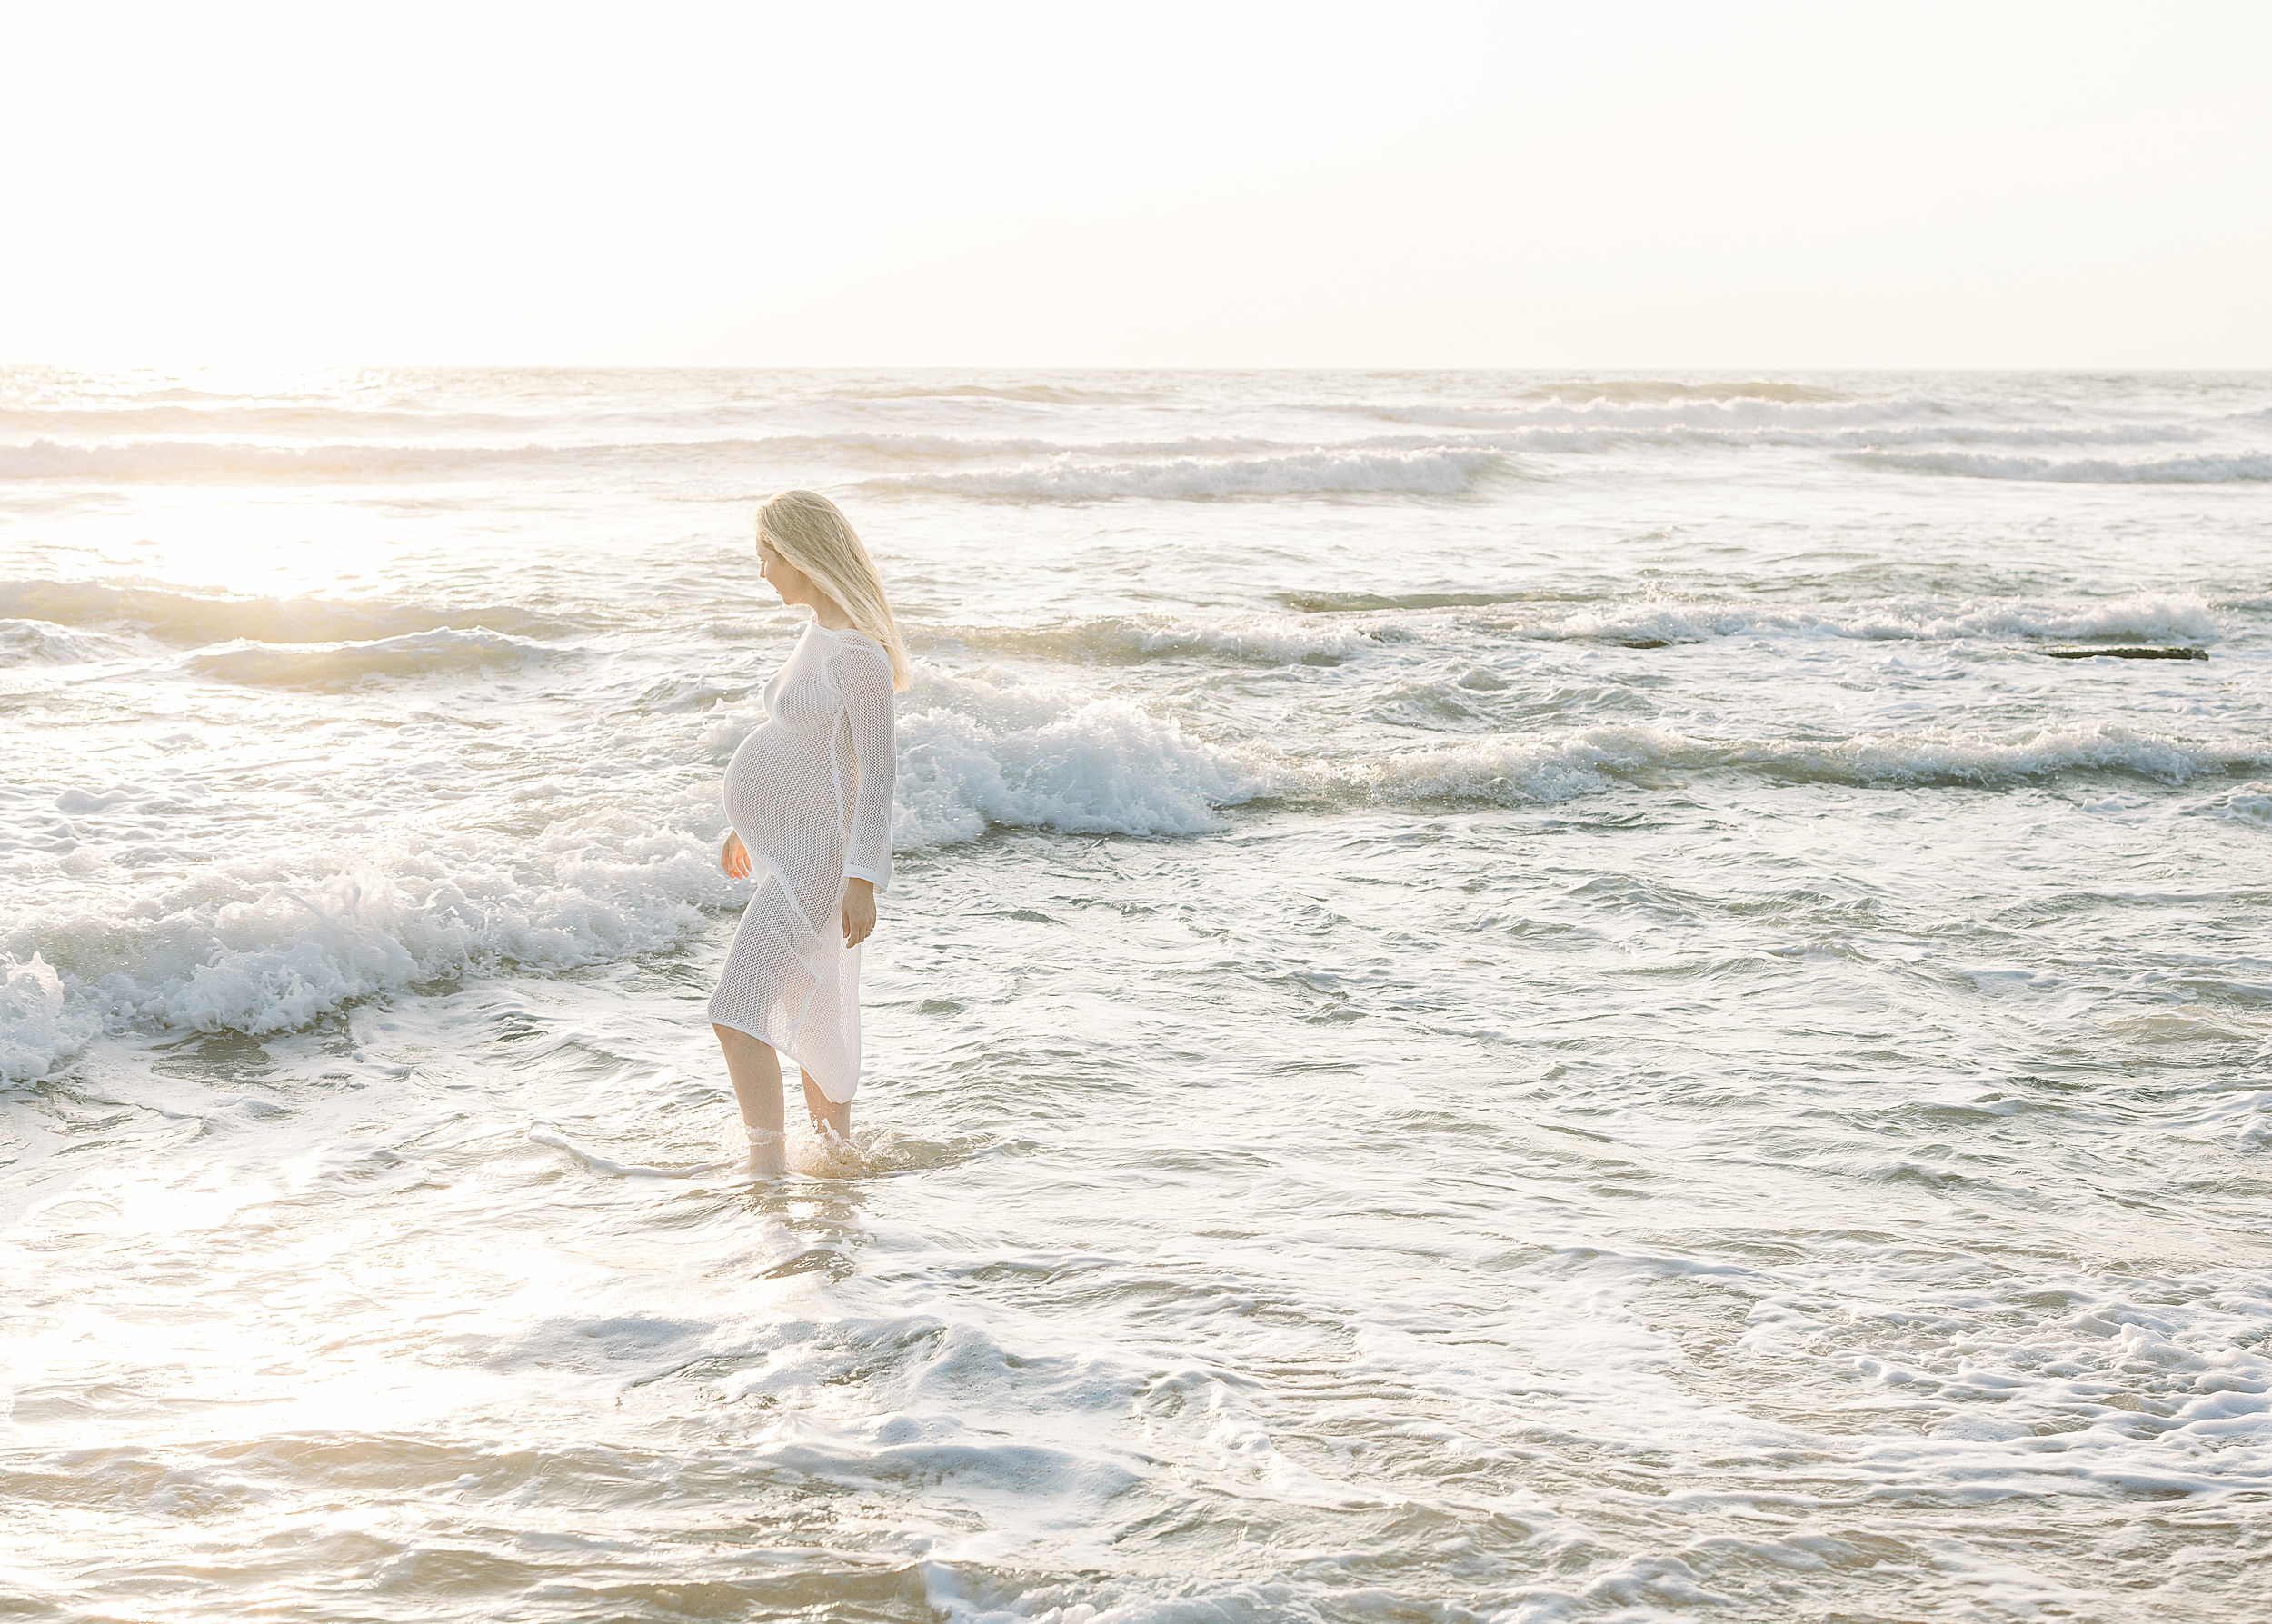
1644	643
2128	653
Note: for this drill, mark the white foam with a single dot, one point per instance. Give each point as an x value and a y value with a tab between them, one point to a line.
1678	408
990	750
175	615
1469	444
1555	767
1427	472
2164	471
1520	772
40	1025
42	643
2155	617
1267	639
273	942
2250	803
201	462
437	654
273	945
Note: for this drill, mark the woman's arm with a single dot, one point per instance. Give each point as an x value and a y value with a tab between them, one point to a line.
864	679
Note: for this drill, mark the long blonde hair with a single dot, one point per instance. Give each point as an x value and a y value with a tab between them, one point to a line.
812	533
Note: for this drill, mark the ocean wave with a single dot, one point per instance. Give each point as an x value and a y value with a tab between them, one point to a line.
2141	617
1586	436
1041	393
43	643
2250	803
284	936
1346	602
41	1025
979	751
213	460
276	943
1554	768
1127	640
1436	471
1467	441
1657	410
178	616
257	423
1626	390
418	655
1106	767
1574	431
2165	471
199	461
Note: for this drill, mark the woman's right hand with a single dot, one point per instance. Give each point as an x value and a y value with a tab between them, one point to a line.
735	858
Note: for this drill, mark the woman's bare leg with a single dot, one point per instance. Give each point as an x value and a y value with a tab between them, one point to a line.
756	1075
826	1112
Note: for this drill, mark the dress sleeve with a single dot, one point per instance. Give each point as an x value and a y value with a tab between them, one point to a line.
864	679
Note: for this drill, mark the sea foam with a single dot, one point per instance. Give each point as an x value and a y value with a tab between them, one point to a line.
1322	470
2150	617
273	944
2092	471
446	653
993	749
1547	768
174	615
40	1024
1127	640
43	643
1107	768
290	931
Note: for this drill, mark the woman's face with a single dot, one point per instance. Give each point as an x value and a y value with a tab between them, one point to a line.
792	583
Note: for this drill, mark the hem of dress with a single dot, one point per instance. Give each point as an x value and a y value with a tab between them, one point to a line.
791	1056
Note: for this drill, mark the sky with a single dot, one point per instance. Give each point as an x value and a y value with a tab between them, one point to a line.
1615	185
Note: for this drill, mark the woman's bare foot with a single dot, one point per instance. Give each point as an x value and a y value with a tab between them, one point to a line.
828	1115
769	1156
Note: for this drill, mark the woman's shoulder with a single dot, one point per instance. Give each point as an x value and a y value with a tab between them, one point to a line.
853	637
853	642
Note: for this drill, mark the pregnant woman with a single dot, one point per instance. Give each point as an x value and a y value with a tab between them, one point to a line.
809	795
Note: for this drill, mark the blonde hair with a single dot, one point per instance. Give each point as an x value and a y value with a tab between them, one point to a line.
812	533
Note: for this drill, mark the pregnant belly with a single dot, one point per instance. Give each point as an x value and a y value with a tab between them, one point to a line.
773	800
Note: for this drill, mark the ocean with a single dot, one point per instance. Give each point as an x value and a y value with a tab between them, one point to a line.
1509	997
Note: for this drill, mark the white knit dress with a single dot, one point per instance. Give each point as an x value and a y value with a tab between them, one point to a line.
809	794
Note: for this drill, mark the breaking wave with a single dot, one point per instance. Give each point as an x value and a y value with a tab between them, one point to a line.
1555	768
419	654
278	938
1446	451
2145	617
43	643
1429	472
283	934
991	749
276	943
2167	470
199	461
1125	640
179	617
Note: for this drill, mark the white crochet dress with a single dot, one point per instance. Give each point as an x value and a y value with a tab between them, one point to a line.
809	794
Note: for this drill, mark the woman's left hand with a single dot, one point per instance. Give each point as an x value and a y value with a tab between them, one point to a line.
859	910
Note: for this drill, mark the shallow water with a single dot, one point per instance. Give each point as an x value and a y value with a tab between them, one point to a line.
1508	998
